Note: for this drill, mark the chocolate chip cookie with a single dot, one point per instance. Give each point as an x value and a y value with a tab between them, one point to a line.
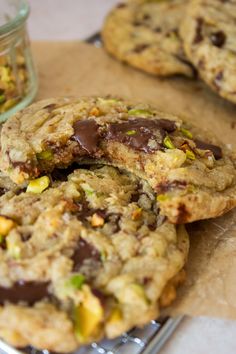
145	34
208	32
79	258
185	166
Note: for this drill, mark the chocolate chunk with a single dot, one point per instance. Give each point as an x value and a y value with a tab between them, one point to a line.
140	48
29	292
3	191
183	214
137	133
87	135
83	252
216	150
166	186
198	35
218	78
218	39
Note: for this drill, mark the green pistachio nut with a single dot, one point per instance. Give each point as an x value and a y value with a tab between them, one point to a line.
140	112
168	143
38	185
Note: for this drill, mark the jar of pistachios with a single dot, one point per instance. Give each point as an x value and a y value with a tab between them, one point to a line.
18	83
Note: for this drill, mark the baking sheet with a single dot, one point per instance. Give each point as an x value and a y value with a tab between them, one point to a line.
75	68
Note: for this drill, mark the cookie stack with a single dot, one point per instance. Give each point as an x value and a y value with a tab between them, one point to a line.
186	37
94	195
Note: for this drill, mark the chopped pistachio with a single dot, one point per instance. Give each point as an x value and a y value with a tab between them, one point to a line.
76	281
38	185
131	132
140	112
45	155
87	316
186	133
2	98
89	191
162	197
115	316
6	225
168	143
190	155
5	74
136	214
13	249
97	220
2	238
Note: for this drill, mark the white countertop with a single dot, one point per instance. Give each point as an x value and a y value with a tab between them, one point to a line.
78	19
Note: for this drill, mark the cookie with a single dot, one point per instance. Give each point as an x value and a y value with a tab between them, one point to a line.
146	35
208	33
183	165
79	259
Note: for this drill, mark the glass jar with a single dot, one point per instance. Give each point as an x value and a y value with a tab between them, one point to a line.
18	81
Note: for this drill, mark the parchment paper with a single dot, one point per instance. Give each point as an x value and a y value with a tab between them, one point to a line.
74	68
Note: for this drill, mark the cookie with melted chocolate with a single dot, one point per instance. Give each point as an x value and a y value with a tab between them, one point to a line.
184	165
145	34
208	33
79	258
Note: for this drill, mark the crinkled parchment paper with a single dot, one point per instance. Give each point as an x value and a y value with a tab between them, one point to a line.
74	68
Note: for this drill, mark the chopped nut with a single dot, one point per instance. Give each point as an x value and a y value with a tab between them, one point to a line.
190	155
97	220
6	225
95	112
140	112
136	214
45	155
168	143
116	316
186	133
38	185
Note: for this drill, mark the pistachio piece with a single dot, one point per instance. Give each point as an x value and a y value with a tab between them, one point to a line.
38	185
13	249
168	143
131	132
6	225
115	316
190	155
140	112
162	197
87	316
186	133
45	155
76	281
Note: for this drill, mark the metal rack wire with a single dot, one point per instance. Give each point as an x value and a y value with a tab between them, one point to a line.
148	340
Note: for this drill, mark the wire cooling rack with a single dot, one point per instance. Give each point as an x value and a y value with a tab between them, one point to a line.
148	340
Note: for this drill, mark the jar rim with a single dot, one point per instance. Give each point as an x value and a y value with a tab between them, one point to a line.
18	20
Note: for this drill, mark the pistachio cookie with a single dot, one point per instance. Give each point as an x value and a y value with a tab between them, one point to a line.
208	32
78	259
183	165
145	34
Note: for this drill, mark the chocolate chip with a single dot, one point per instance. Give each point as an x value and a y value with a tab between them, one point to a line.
87	135
183	214
29	292
137	133
140	48
218	39
216	150
83	252
167	186
3	191
198	35
146	17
